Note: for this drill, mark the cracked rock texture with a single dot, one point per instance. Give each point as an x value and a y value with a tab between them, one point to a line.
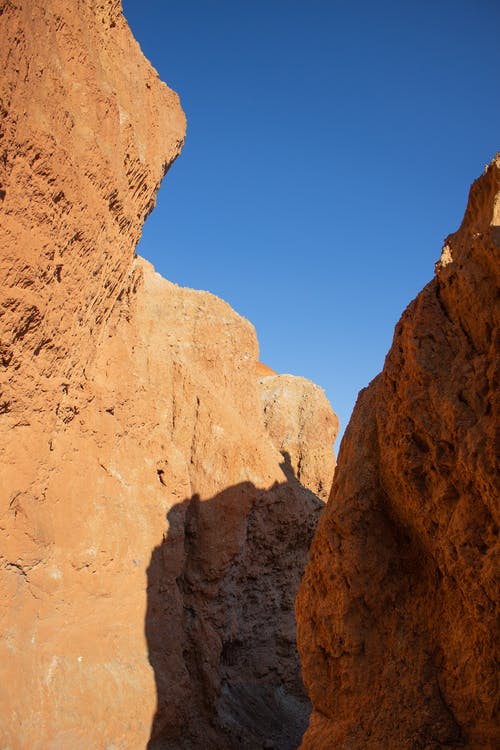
153	534
398	609
87	132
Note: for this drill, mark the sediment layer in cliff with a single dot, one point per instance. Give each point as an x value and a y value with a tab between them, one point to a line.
154	531
398	609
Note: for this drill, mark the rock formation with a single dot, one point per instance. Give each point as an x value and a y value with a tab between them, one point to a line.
153	533
87	132
398	609
294	411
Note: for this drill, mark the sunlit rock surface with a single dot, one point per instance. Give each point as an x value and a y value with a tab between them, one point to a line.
398	610
300	422
153	536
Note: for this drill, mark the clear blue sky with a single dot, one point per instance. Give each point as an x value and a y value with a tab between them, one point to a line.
329	151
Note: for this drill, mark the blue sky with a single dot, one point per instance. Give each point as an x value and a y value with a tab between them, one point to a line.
329	151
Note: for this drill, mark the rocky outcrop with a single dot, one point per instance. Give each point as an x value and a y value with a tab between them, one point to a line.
397	612
153	535
87	131
301	424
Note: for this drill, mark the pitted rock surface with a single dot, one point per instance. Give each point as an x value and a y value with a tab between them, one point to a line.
398	609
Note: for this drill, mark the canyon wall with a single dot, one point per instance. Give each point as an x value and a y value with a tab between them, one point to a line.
154	531
398	609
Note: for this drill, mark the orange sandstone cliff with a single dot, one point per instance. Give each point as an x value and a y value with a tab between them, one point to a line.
154	532
398	609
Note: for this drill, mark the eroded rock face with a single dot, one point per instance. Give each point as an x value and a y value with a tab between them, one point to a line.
300	422
153	535
397	613
87	131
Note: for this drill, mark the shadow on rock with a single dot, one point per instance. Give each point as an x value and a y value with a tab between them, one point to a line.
220	621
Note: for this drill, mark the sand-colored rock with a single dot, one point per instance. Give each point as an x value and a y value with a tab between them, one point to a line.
87	131
398	609
301	423
153	536
262	370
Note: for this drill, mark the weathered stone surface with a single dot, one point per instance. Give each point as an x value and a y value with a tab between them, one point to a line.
87	131
398	609
227	530
301	423
153	536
